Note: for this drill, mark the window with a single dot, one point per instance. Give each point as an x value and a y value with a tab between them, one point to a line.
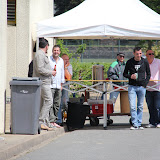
11	12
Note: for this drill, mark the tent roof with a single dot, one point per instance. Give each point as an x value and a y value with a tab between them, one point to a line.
103	19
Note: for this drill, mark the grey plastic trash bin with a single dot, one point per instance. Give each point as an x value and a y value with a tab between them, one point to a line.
25	105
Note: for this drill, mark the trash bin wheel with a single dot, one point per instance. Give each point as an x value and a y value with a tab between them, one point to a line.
94	121
39	129
130	121
109	121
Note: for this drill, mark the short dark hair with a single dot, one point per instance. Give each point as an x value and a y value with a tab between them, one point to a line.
136	49
55	46
43	43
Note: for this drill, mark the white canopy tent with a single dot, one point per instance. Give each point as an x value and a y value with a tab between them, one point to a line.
104	19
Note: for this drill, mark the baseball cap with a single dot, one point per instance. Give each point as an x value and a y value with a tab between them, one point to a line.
120	54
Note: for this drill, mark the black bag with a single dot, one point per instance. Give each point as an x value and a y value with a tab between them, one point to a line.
76	115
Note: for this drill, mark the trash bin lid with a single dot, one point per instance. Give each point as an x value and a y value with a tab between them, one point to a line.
26	81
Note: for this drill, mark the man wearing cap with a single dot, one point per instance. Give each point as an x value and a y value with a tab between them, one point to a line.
115	72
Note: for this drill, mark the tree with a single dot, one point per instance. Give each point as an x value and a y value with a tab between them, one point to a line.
62	6
154	5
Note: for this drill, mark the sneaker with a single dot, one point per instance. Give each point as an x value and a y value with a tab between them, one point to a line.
133	127
140	127
52	126
150	126
56	125
158	125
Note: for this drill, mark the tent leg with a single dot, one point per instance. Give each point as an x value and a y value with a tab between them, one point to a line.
54	41
104	106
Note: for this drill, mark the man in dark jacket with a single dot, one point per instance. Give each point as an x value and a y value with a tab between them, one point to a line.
115	72
30	70
138	72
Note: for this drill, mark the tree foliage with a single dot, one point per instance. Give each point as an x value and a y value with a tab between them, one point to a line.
62	6
154	5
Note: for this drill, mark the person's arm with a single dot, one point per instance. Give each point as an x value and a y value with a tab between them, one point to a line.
148	73
112	74
126	71
67	74
62	73
41	60
30	71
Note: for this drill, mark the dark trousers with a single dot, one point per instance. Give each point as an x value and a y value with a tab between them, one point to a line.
153	103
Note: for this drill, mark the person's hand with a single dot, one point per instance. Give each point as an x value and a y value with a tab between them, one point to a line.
133	76
54	73
151	78
66	65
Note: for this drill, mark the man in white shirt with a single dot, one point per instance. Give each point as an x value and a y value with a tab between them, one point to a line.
57	66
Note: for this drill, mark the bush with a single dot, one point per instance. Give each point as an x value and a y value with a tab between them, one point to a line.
86	69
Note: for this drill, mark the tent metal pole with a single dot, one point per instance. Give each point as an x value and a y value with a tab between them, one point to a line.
119	43
104	106
54	41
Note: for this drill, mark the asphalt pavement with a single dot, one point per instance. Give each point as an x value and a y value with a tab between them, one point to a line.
12	145
90	142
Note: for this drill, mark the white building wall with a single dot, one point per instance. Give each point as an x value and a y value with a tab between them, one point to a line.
20	41
43	10
11	56
3	58
21	38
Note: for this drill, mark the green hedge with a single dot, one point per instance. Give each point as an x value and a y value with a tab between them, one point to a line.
86	69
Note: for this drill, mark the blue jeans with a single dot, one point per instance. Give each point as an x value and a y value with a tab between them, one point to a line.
63	105
136	114
114	95
153	103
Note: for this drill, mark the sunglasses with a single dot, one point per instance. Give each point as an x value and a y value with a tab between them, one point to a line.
122	56
151	54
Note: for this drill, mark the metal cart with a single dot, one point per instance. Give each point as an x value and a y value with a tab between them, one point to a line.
105	85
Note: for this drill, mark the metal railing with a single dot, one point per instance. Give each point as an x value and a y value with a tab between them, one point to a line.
108	87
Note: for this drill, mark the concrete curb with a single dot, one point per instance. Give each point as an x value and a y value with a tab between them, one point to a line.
13	145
